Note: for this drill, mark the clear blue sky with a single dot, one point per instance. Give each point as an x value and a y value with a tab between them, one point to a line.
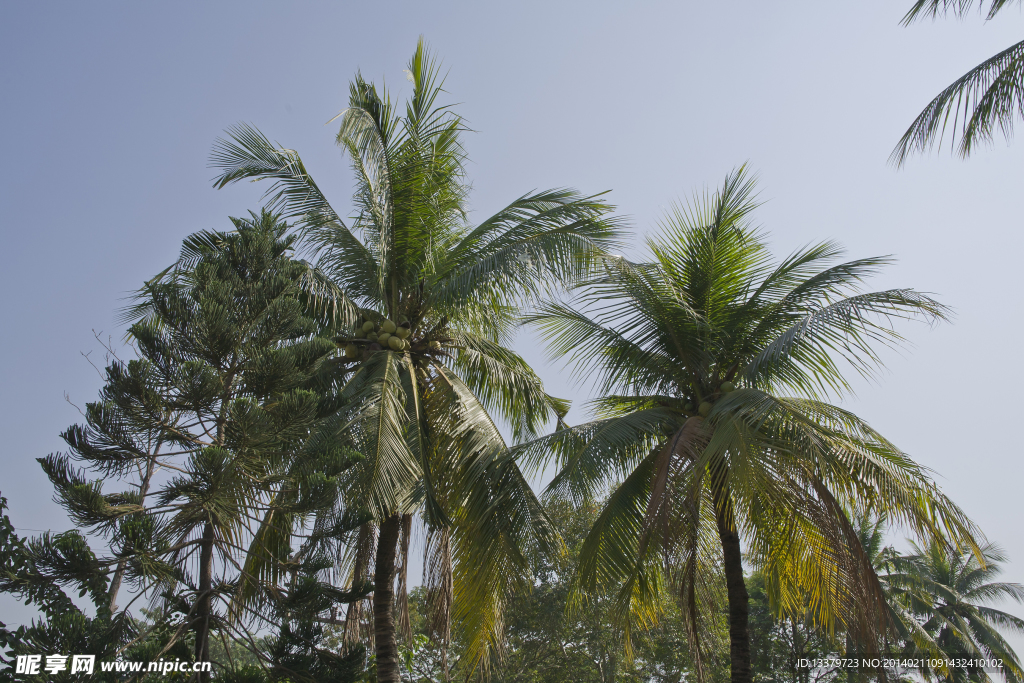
108	112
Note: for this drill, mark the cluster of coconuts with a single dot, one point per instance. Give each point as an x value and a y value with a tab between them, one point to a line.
387	334
704	409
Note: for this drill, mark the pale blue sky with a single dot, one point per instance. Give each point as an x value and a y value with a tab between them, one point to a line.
109	111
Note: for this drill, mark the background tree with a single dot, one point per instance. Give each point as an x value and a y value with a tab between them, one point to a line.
698	354
429	303
225	404
946	592
303	648
226	330
37	571
988	97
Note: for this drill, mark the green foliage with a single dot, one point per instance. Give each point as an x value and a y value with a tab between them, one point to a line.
37	571
303	648
547	643
779	643
217	427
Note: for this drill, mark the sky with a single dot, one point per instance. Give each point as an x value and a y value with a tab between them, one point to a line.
109	111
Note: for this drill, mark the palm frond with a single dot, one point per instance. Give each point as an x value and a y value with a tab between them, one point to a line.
616	552
627	358
593	455
505	384
959	8
248	154
785	297
853	460
803	356
988	97
546	239
494	512
377	428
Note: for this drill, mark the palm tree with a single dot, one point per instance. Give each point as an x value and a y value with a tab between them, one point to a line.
945	591
987	97
419	406
713	362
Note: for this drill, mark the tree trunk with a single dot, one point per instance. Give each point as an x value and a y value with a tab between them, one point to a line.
115	583
205	601
404	619
115	586
385	642
739	608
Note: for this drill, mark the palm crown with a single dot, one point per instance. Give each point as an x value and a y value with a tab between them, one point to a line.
695	353
409	263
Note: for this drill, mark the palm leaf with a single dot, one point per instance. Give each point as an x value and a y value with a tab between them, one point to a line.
973	107
506	385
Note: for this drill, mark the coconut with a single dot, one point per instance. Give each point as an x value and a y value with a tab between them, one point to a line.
406	324
435	345
394	342
727	387
383	337
688	408
372	336
403	332
368	326
388	326
704	408
351	351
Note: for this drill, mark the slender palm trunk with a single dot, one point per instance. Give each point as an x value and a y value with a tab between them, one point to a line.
384	636
204	609
739	608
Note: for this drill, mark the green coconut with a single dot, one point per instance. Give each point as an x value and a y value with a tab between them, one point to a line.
704	408
688	408
383	337
372	336
394	342
727	387
388	326
403	332
405	323
434	344
351	351
368	326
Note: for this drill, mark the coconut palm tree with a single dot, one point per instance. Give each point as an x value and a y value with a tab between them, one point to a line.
989	96
426	304
946	592
714	362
